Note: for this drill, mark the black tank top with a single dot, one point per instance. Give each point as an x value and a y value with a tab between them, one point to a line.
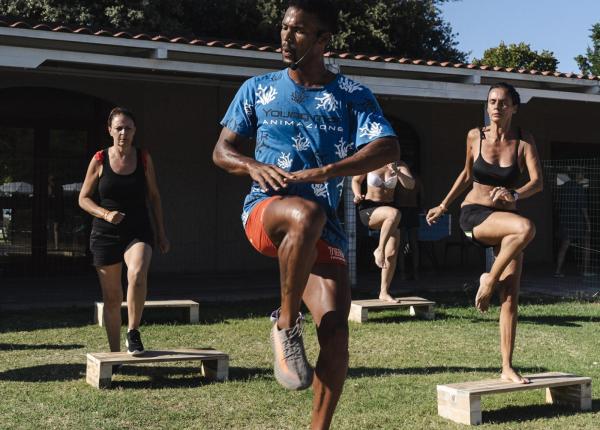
492	174
123	193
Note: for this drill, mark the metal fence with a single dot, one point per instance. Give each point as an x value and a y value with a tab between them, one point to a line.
575	188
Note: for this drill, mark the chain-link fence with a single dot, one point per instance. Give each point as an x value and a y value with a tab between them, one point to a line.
575	188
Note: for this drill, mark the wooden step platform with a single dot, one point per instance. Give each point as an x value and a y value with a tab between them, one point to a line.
190	304
214	364
359	309
462	402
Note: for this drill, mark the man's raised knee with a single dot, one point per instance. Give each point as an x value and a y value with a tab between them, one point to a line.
309	219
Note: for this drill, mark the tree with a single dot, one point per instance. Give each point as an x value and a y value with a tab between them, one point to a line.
590	63
409	28
519	57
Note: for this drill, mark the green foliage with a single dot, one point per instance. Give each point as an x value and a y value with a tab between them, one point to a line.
590	63
519	56
407	28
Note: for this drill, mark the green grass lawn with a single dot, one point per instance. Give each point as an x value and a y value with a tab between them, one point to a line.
395	363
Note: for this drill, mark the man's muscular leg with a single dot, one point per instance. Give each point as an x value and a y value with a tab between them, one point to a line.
327	296
294	225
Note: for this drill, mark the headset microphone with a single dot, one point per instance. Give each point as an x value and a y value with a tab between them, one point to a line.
295	64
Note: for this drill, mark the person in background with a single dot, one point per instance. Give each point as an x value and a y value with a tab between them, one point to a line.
495	157
124	178
378	211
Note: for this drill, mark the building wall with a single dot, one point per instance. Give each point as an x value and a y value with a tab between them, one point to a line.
442	128
178	123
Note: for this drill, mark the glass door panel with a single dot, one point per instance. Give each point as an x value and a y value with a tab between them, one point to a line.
67	230
16	197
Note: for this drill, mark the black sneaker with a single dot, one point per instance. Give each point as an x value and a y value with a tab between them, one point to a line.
134	343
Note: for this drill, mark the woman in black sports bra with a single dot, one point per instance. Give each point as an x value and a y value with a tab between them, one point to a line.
124	177
495	157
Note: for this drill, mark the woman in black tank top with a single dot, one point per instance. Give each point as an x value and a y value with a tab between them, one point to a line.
124	178
495	157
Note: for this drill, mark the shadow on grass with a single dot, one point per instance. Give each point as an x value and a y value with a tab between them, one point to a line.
362	372
210	313
559	320
45	373
532	412
180	377
151	376
25	347
36	319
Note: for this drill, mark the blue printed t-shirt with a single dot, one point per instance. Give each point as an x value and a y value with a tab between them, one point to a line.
299	128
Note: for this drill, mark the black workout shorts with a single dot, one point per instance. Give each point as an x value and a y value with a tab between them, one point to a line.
473	215
108	243
367	207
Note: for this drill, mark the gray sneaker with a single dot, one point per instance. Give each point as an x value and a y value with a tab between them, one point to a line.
292	369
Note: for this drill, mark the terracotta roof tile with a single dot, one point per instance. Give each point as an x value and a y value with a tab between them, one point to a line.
161	38
5	22
142	36
20	24
123	35
180	39
42	27
82	30
103	33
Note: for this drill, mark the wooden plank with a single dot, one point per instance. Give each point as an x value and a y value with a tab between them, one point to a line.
461	402
359	309
541	380
463	408
158	356
215	364
358	313
403	302
576	396
148	304
98	375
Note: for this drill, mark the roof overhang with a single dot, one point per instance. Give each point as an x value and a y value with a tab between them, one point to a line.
124	58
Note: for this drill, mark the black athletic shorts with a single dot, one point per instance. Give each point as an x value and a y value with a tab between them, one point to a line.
367	207
108	242
473	215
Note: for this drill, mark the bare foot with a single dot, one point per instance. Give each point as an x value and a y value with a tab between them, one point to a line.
379	258
510	374
387	298
484	293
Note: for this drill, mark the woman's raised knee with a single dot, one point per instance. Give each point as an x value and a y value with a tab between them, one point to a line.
526	228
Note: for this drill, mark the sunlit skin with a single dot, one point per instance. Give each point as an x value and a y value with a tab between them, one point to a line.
385	219
295	224
303	39
507	233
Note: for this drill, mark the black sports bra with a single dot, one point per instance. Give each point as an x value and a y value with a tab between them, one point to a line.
492	174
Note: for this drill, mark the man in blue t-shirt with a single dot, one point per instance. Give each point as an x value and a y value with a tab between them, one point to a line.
312	128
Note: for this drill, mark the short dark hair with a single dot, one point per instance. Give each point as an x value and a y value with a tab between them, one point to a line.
120	111
512	92
324	10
